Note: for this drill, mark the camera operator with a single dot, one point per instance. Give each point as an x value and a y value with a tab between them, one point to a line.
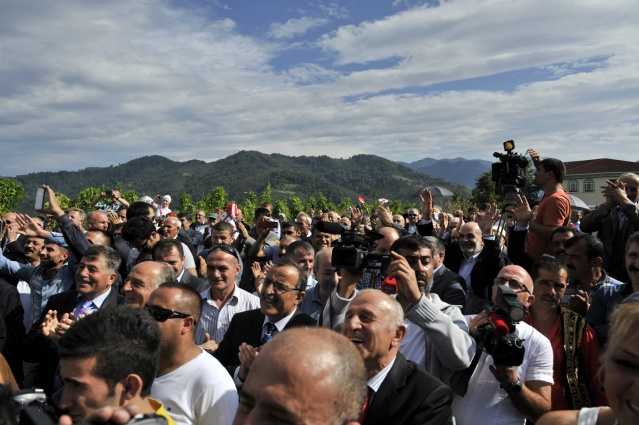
117	201
508	394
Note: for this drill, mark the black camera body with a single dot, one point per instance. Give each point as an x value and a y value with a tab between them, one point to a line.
353	251
499	337
509	174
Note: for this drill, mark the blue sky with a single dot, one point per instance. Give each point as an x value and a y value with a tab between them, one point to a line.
89	83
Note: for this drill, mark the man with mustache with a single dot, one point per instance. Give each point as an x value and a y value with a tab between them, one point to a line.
575	346
584	257
283	290
437	335
606	298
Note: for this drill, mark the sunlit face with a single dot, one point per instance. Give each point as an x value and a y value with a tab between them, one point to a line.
221	237
52	256
200	217
321	240
384	245
92	278
516	279
549	288
325	274
470	240
304	224
622	379
279	298
171	227
305	260
98	220
74	216
83	392
367	324
32	248
173	259
141	282
413	216
399	219
222	269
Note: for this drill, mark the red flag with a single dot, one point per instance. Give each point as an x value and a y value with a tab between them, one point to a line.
361	199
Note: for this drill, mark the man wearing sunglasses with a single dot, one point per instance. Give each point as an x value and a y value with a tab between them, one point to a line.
283	290
191	383
513	393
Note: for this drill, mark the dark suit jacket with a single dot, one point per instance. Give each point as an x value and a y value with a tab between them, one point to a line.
606	224
487	266
12	332
247	327
450	286
410	395
517	253
200	285
38	348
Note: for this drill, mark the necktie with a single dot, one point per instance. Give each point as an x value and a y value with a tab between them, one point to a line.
367	403
84	309
269	331
622	218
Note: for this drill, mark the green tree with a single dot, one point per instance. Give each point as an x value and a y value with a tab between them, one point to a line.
84	198
265	196
281	207
218	198
63	200
311	204
248	207
295	205
11	194
130	196
484	191
344	205
186	203
322	203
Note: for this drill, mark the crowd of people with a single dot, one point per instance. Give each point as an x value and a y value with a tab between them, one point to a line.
376	318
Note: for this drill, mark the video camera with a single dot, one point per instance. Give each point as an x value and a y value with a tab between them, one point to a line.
499	336
354	251
509	173
35	408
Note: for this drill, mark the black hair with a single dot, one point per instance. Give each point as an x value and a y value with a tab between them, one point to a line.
165	246
594	246
548	263
137	228
123	340
556	167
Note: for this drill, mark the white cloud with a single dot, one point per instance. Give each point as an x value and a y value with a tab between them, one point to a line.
89	84
295	27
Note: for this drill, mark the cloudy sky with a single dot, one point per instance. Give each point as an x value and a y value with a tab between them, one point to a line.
93	83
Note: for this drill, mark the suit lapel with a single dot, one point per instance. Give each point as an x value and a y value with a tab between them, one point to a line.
384	404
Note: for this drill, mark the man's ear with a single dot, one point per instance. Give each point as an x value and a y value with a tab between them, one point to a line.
400	332
132	387
189	324
531	299
597	262
300	297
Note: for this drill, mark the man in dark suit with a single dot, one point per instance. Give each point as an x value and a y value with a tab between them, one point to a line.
171	251
450	286
94	279
282	291
400	392
476	257
12	331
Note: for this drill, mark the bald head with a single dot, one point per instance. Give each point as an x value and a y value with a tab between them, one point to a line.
390	235
517	279
98	220
316	375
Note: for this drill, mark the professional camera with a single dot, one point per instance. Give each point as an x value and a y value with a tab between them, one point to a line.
499	336
509	174
353	251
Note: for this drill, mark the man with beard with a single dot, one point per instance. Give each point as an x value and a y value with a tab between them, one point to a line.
606	298
436	332
476	257
282	292
584	257
575	347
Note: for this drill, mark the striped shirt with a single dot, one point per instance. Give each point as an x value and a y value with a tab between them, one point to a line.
216	321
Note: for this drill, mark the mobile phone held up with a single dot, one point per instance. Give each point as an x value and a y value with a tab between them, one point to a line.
267	224
39	200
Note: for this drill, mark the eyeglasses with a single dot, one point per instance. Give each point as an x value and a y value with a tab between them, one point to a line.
161	314
226	248
278	287
513	284
412	215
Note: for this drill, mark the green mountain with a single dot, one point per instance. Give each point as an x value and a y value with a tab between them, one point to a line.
247	171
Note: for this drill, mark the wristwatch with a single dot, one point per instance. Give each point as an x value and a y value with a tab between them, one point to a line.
513	387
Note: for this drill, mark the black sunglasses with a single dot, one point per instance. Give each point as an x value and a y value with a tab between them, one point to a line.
161	314
228	249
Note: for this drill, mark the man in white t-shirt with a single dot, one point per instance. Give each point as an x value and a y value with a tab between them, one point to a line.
192	384
499	394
